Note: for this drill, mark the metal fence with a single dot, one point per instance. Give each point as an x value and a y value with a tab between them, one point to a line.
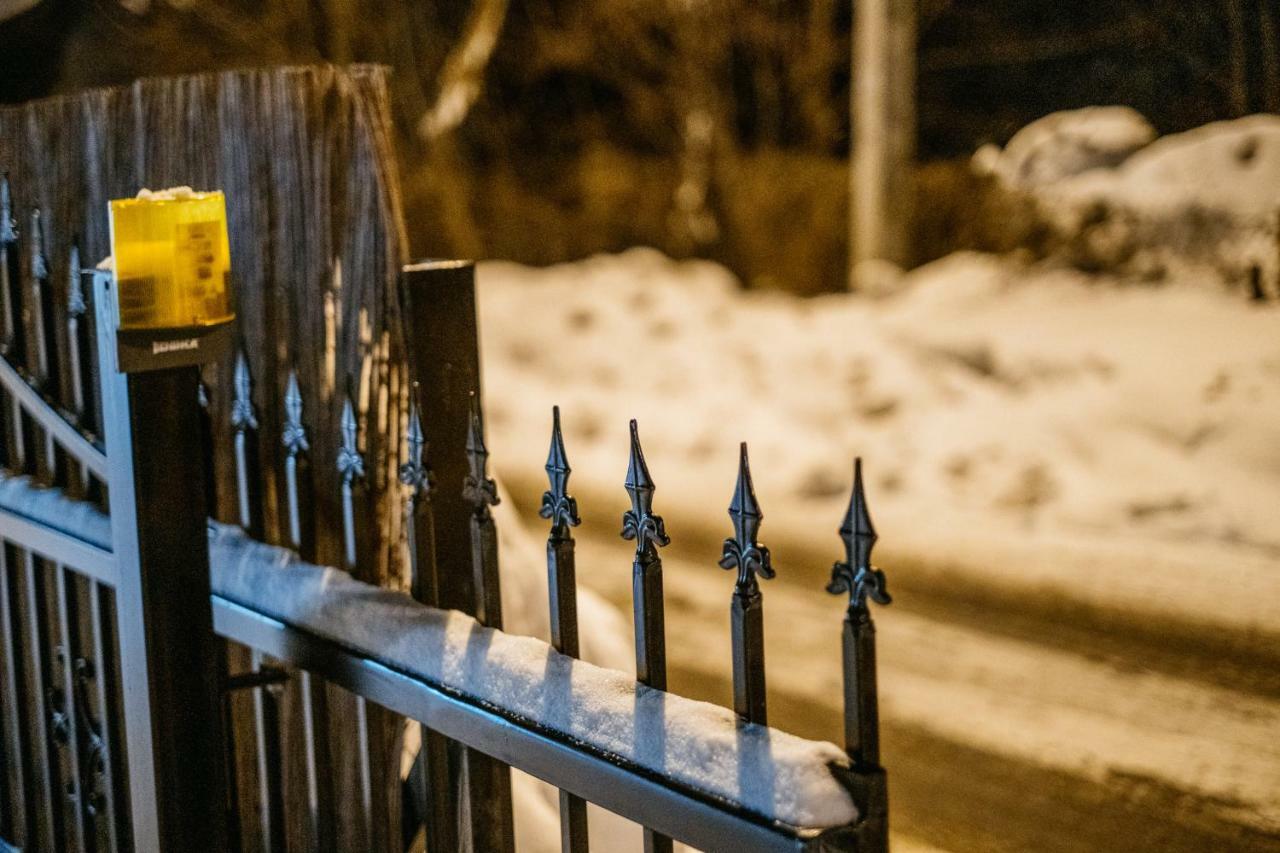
109	742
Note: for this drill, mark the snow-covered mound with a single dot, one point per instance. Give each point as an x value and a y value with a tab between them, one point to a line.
1021	422
1205	202
1067	143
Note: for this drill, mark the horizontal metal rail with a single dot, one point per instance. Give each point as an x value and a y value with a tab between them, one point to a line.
84	558
629	791
66	435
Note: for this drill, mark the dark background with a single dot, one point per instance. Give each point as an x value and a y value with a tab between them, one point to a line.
579	140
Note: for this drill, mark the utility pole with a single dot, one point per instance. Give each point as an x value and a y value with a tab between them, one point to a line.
884	132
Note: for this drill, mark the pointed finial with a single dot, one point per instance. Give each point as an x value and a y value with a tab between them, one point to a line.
855	574
8	225
75	289
742	551
242	416
415	473
478	489
557	504
295	433
350	462
39	264
639	522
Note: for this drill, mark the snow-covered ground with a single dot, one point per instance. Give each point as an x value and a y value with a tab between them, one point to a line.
1031	426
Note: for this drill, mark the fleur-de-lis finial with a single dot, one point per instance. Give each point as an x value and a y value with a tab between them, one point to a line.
415	472
294	435
855	574
557	504
75	290
350	462
478	489
242	415
639	522
39	264
8	225
742	551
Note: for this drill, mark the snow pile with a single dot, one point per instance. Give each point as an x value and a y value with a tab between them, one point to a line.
699	745
1067	143
1203	202
1022	426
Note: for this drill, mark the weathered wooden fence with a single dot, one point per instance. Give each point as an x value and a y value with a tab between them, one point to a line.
108	738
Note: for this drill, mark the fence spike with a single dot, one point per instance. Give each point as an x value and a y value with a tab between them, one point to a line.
482	492
351	467
558	505
39	263
76	308
10	306
856	576
242	414
415	472
639	522
295	433
242	420
294	438
8	225
39	280
743	552
76	305
478	488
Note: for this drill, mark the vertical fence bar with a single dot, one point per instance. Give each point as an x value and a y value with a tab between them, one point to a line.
18	802
159	526
266	711
649	532
47	806
561	509
351	468
492	820
746	611
107	813
313	705
434	803
69	728
856	577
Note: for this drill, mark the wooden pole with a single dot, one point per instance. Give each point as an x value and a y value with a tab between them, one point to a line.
884	131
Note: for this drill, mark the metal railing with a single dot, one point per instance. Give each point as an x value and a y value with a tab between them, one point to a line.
84	622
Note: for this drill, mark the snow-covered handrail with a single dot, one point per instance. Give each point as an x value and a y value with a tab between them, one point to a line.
583	728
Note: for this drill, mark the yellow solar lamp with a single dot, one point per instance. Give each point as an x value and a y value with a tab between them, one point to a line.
171	266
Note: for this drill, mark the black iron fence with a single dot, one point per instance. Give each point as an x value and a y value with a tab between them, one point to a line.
105	743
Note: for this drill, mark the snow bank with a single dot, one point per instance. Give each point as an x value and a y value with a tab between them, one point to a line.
769	773
1067	143
1203	202
1025	426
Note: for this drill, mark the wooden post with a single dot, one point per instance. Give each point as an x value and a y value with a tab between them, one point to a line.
169	655
884	132
444	360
